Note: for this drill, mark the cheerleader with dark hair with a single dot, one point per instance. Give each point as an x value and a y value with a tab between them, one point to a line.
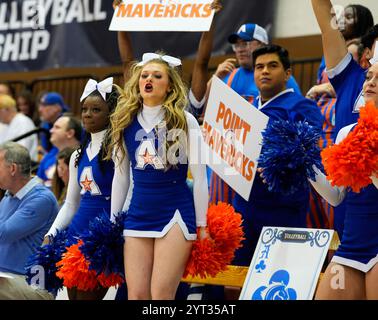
90	176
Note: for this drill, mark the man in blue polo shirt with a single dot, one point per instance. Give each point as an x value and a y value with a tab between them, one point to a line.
244	42
264	207
27	212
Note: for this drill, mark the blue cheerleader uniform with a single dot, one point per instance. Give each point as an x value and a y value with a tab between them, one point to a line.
95	192
359	244
160	195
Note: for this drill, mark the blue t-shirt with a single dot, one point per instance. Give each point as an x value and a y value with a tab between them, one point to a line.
24	220
347	78
290	105
46	168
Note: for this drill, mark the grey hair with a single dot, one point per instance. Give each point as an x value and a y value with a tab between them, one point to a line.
18	154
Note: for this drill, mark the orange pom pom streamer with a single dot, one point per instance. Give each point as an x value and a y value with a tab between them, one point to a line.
351	162
111	280
211	256
74	270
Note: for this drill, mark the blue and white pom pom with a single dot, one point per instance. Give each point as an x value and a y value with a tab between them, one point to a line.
44	261
289	151
103	244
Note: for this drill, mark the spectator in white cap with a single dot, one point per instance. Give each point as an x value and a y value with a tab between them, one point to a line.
247	39
244	42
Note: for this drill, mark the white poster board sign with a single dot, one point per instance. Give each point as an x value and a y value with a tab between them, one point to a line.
162	15
233	134
286	264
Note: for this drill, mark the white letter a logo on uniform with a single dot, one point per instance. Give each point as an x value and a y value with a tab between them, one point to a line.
147	155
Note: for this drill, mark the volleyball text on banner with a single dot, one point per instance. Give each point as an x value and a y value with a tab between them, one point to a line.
232	130
286	264
162	15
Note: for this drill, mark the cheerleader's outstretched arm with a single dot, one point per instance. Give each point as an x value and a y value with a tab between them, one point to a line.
198	169
120	184
71	204
333	195
375	180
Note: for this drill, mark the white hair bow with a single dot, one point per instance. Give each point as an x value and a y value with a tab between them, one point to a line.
147	57
375	57
104	87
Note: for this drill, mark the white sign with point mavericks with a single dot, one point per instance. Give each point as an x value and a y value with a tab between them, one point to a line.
162	15
232	130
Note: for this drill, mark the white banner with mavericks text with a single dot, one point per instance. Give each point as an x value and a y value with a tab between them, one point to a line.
162	15
45	34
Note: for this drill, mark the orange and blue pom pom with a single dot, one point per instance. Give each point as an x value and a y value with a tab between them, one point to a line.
46	257
73	269
103	244
354	160
212	255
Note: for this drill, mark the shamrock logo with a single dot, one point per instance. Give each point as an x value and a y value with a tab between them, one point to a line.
260	266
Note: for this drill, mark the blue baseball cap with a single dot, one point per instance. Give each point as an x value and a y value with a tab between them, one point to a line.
249	32
52	98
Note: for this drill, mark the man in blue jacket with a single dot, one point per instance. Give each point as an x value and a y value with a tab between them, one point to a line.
264	207
244	42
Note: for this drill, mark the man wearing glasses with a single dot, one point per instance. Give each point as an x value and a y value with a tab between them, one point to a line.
247	39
